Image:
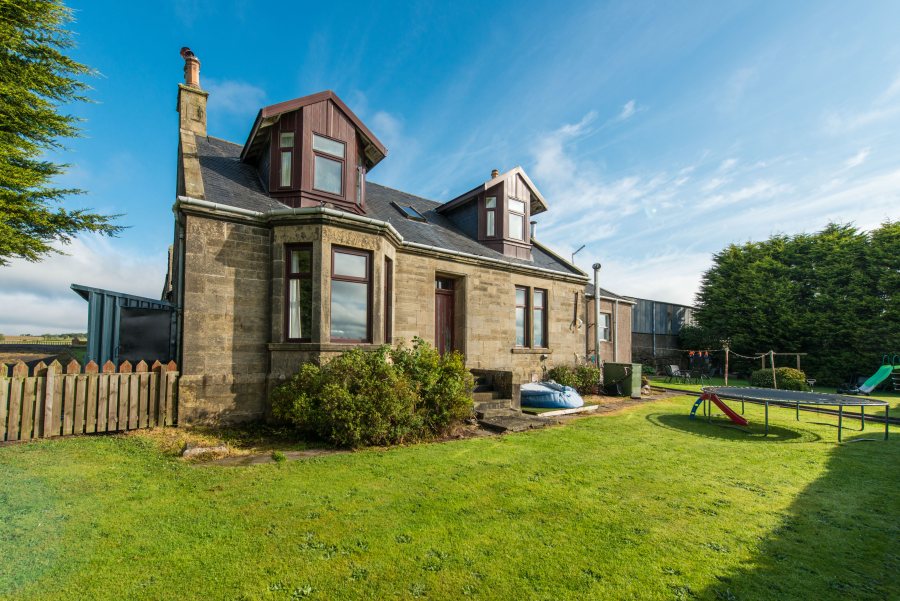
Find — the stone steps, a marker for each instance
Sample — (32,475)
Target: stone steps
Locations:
(485,396)
(514,421)
(492,406)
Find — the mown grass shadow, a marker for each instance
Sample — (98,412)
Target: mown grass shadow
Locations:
(837,540)
(723,429)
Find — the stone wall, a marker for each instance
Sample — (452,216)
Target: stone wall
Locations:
(485,314)
(234,346)
(226,321)
(622,324)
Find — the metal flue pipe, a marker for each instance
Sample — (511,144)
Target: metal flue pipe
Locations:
(597,314)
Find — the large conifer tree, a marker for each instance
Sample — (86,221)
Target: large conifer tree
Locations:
(36,79)
(834,294)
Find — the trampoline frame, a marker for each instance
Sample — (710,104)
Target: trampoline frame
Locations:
(766,396)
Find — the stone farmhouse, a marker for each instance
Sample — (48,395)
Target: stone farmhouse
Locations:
(284,252)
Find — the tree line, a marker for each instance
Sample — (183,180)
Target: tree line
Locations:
(834,294)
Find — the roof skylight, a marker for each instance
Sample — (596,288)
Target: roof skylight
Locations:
(409,212)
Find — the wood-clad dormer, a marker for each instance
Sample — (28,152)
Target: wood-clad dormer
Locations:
(313,151)
(497,212)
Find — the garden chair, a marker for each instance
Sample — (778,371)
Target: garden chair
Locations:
(673,372)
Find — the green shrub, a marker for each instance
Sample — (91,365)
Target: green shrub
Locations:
(442,383)
(588,378)
(648,370)
(562,374)
(787,378)
(377,398)
(585,378)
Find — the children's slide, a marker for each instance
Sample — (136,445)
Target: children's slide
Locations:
(728,411)
(883,373)
(731,414)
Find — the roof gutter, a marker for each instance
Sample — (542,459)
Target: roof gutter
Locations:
(308,211)
(217,208)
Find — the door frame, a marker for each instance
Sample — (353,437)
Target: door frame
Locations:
(449,296)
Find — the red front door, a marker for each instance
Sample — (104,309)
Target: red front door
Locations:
(443,315)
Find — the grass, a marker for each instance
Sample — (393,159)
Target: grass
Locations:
(642,504)
(891,397)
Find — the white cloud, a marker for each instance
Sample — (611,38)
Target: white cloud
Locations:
(881,108)
(388,128)
(757,191)
(714,183)
(728,164)
(233,97)
(672,275)
(36,298)
(627,111)
(655,232)
(858,159)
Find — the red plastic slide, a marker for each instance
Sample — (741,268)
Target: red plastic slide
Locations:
(731,414)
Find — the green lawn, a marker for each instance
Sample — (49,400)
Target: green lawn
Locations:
(643,504)
(891,397)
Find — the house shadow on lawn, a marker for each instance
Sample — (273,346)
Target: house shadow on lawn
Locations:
(837,540)
(722,429)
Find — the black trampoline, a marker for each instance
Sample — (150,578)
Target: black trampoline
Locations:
(796,399)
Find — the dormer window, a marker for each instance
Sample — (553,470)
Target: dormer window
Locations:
(516,219)
(286,145)
(328,165)
(490,205)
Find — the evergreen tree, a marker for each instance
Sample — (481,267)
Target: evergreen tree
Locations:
(36,78)
(833,295)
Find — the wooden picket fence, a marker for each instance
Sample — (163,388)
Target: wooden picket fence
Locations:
(56,402)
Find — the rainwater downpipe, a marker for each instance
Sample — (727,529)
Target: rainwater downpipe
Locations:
(597,314)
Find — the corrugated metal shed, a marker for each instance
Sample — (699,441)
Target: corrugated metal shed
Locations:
(147,325)
(655,317)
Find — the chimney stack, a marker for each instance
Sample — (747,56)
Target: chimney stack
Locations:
(191,98)
(191,68)
(495,173)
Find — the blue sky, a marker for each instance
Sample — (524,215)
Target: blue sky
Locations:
(658,132)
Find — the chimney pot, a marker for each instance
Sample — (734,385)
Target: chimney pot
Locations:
(533,228)
(495,173)
(191,68)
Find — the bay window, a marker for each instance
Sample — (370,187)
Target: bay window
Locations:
(350,295)
(298,302)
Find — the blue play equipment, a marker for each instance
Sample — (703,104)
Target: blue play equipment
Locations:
(550,395)
(696,406)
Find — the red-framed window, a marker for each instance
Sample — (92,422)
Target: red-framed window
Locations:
(532,317)
(298,306)
(329,157)
(351,295)
(522,318)
(539,318)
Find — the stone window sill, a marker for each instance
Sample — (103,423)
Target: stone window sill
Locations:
(531,351)
(321,346)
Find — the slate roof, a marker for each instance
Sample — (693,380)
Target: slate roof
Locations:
(589,292)
(229,182)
